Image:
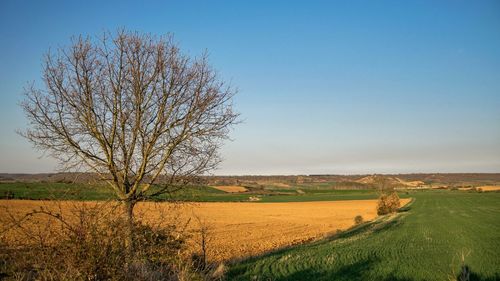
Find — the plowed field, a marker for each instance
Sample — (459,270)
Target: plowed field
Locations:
(238,230)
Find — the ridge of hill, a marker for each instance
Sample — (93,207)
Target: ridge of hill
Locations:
(285,181)
(389,180)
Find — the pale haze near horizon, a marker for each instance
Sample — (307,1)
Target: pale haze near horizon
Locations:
(325,88)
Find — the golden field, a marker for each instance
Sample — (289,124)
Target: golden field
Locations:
(489,187)
(234,230)
(231,188)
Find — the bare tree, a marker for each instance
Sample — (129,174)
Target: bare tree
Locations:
(133,109)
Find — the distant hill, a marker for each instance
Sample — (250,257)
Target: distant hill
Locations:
(50,177)
(389,180)
(408,180)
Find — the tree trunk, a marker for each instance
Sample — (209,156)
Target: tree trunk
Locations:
(129,216)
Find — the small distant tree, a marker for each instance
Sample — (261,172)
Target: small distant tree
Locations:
(358,219)
(134,110)
(388,203)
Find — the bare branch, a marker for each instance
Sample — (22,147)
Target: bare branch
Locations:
(132,108)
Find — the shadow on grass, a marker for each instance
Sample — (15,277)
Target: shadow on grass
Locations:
(359,270)
(466,274)
(406,207)
(380,224)
(356,271)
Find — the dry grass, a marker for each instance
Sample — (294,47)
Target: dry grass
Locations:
(87,241)
(237,230)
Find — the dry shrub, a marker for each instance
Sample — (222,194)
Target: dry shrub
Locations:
(465,271)
(358,219)
(89,244)
(209,270)
(388,203)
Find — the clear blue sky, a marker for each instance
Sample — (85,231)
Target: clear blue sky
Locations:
(325,87)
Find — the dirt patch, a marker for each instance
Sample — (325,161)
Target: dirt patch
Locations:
(238,230)
(231,188)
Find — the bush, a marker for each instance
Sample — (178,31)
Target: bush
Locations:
(388,203)
(358,219)
(91,246)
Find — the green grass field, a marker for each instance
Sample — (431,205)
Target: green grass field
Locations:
(51,191)
(65,191)
(423,243)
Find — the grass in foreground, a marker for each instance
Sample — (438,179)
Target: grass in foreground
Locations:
(423,243)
